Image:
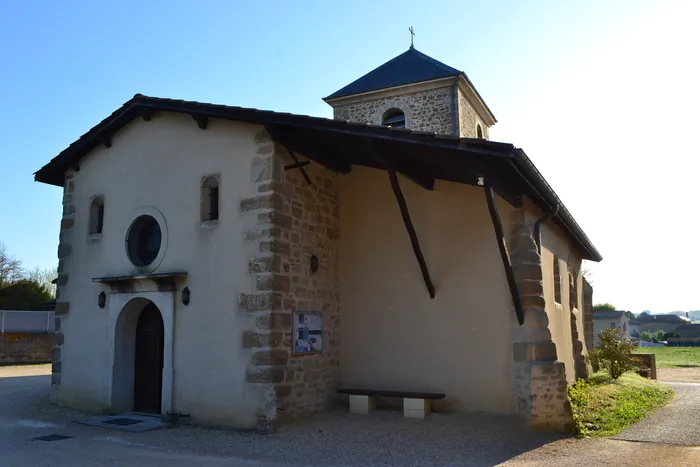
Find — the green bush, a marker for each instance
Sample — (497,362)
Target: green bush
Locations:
(658,336)
(645,336)
(602,406)
(615,352)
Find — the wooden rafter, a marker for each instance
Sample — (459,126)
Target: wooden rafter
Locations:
(403,207)
(507,265)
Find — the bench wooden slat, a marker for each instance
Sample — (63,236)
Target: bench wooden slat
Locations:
(386,393)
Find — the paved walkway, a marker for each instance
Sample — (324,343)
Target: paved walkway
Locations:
(335,439)
(677,423)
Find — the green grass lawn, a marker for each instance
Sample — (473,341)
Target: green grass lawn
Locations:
(603,407)
(673,357)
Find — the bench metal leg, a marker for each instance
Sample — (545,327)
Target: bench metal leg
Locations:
(415,408)
(362,404)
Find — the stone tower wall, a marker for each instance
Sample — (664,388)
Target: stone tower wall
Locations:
(427,110)
(469,119)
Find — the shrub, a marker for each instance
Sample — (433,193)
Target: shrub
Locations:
(658,336)
(645,336)
(615,352)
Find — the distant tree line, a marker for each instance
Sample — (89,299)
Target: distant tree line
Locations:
(22,289)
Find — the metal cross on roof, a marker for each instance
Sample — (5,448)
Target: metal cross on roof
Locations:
(412,34)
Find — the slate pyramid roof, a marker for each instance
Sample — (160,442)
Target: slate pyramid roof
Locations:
(411,66)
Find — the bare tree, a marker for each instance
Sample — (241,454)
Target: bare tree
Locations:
(587,273)
(10,267)
(44,277)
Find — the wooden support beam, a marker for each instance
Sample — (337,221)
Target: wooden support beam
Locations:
(411,231)
(418,175)
(107,142)
(500,237)
(422,177)
(314,148)
(299,165)
(202,122)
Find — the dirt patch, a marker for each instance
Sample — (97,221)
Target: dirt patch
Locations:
(25,370)
(678,375)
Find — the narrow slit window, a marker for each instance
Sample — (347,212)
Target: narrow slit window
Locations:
(97,215)
(479,132)
(210,199)
(214,203)
(557,281)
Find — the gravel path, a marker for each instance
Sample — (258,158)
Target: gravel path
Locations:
(679,375)
(383,438)
(677,423)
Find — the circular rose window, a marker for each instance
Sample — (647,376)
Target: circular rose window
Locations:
(143,240)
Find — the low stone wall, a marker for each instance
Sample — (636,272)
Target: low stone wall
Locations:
(648,361)
(25,347)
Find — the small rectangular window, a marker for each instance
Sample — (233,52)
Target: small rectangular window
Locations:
(100,217)
(97,215)
(209,202)
(214,203)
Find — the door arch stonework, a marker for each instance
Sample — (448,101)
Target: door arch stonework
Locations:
(125,309)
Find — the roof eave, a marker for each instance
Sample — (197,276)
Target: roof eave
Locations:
(551,200)
(486,113)
(334,100)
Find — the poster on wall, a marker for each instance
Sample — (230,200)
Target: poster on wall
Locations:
(308,327)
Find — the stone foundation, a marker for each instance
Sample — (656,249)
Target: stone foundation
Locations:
(295,220)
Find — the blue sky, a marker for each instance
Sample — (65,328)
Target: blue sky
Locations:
(593,91)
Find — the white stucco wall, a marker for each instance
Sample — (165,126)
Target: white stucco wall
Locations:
(160,164)
(394,335)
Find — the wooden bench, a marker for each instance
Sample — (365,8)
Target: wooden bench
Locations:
(415,404)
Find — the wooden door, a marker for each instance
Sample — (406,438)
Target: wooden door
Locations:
(148,365)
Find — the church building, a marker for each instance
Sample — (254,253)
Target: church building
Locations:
(241,266)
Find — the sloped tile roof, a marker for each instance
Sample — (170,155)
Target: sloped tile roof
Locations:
(411,66)
(452,158)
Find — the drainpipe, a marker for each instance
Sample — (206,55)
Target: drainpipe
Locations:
(537,231)
(455,108)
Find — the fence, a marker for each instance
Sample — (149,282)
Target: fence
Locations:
(26,321)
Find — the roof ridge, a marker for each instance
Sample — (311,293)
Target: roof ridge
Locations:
(435,61)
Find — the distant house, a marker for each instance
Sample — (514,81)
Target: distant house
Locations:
(666,323)
(610,319)
(634,327)
(689,330)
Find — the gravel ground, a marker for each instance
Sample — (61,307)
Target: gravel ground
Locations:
(679,375)
(384,438)
(677,423)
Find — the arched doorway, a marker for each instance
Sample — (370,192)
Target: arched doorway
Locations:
(148,360)
(141,351)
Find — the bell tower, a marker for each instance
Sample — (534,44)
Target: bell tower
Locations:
(417,92)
